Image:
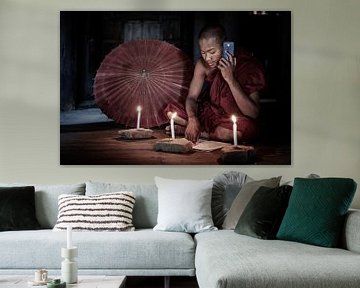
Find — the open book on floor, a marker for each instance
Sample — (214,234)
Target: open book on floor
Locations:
(205,145)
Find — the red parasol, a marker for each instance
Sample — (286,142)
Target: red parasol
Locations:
(149,73)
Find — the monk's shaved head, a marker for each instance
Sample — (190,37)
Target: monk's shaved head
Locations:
(213,31)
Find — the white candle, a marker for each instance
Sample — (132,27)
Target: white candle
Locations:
(138,109)
(233,118)
(69,237)
(172,125)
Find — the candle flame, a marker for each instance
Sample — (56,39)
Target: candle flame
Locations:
(233,118)
(173,115)
(138,109)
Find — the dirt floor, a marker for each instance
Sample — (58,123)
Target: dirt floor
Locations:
(100,144)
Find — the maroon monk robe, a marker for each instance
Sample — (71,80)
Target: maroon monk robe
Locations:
(216,104)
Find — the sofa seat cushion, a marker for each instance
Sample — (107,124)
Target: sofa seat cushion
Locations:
(136,250)
(226,259)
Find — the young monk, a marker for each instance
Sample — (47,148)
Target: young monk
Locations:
(219,89)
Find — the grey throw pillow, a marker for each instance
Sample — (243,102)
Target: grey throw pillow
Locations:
(242,199)
(226,187)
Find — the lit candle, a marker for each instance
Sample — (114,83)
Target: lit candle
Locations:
(69,239)
(172,125)
(138,109)
(233,118)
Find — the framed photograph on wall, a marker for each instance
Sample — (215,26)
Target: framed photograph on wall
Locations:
(175,87)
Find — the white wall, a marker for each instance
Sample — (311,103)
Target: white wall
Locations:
(325,81)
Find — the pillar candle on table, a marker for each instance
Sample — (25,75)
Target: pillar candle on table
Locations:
(69,237)
(233,118)
(138,109)
(172,125)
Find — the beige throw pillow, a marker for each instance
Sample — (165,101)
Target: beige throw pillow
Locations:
(243,198)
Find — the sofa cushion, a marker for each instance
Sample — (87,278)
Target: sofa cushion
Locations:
(46,200)
(17,208)
(105,212)
(243,198)
(263,214)
(317,209)
(184,205)
(141,250)
(225,259)
(350,239)
(146,205)
(226,187)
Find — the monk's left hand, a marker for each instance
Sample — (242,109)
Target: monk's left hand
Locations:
(227,67)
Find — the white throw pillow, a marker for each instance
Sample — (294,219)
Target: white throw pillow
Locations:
(105,212)
(184,205)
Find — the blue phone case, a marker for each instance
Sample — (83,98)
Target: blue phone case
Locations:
(228,46)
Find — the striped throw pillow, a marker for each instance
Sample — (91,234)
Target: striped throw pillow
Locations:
(105,212)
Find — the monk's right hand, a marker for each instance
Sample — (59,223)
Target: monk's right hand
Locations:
(192,132)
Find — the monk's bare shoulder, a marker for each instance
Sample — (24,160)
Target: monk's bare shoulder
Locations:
(200,69)
(197,80)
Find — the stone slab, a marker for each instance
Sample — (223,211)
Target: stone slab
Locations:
(240,154)
(178,145)
(133,134)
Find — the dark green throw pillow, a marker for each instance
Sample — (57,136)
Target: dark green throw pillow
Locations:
(264,213)
(316,211)
(17,208)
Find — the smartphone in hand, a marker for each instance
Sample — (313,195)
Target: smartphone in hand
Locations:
(229,47)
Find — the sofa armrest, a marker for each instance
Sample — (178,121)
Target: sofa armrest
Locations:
(351,232)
